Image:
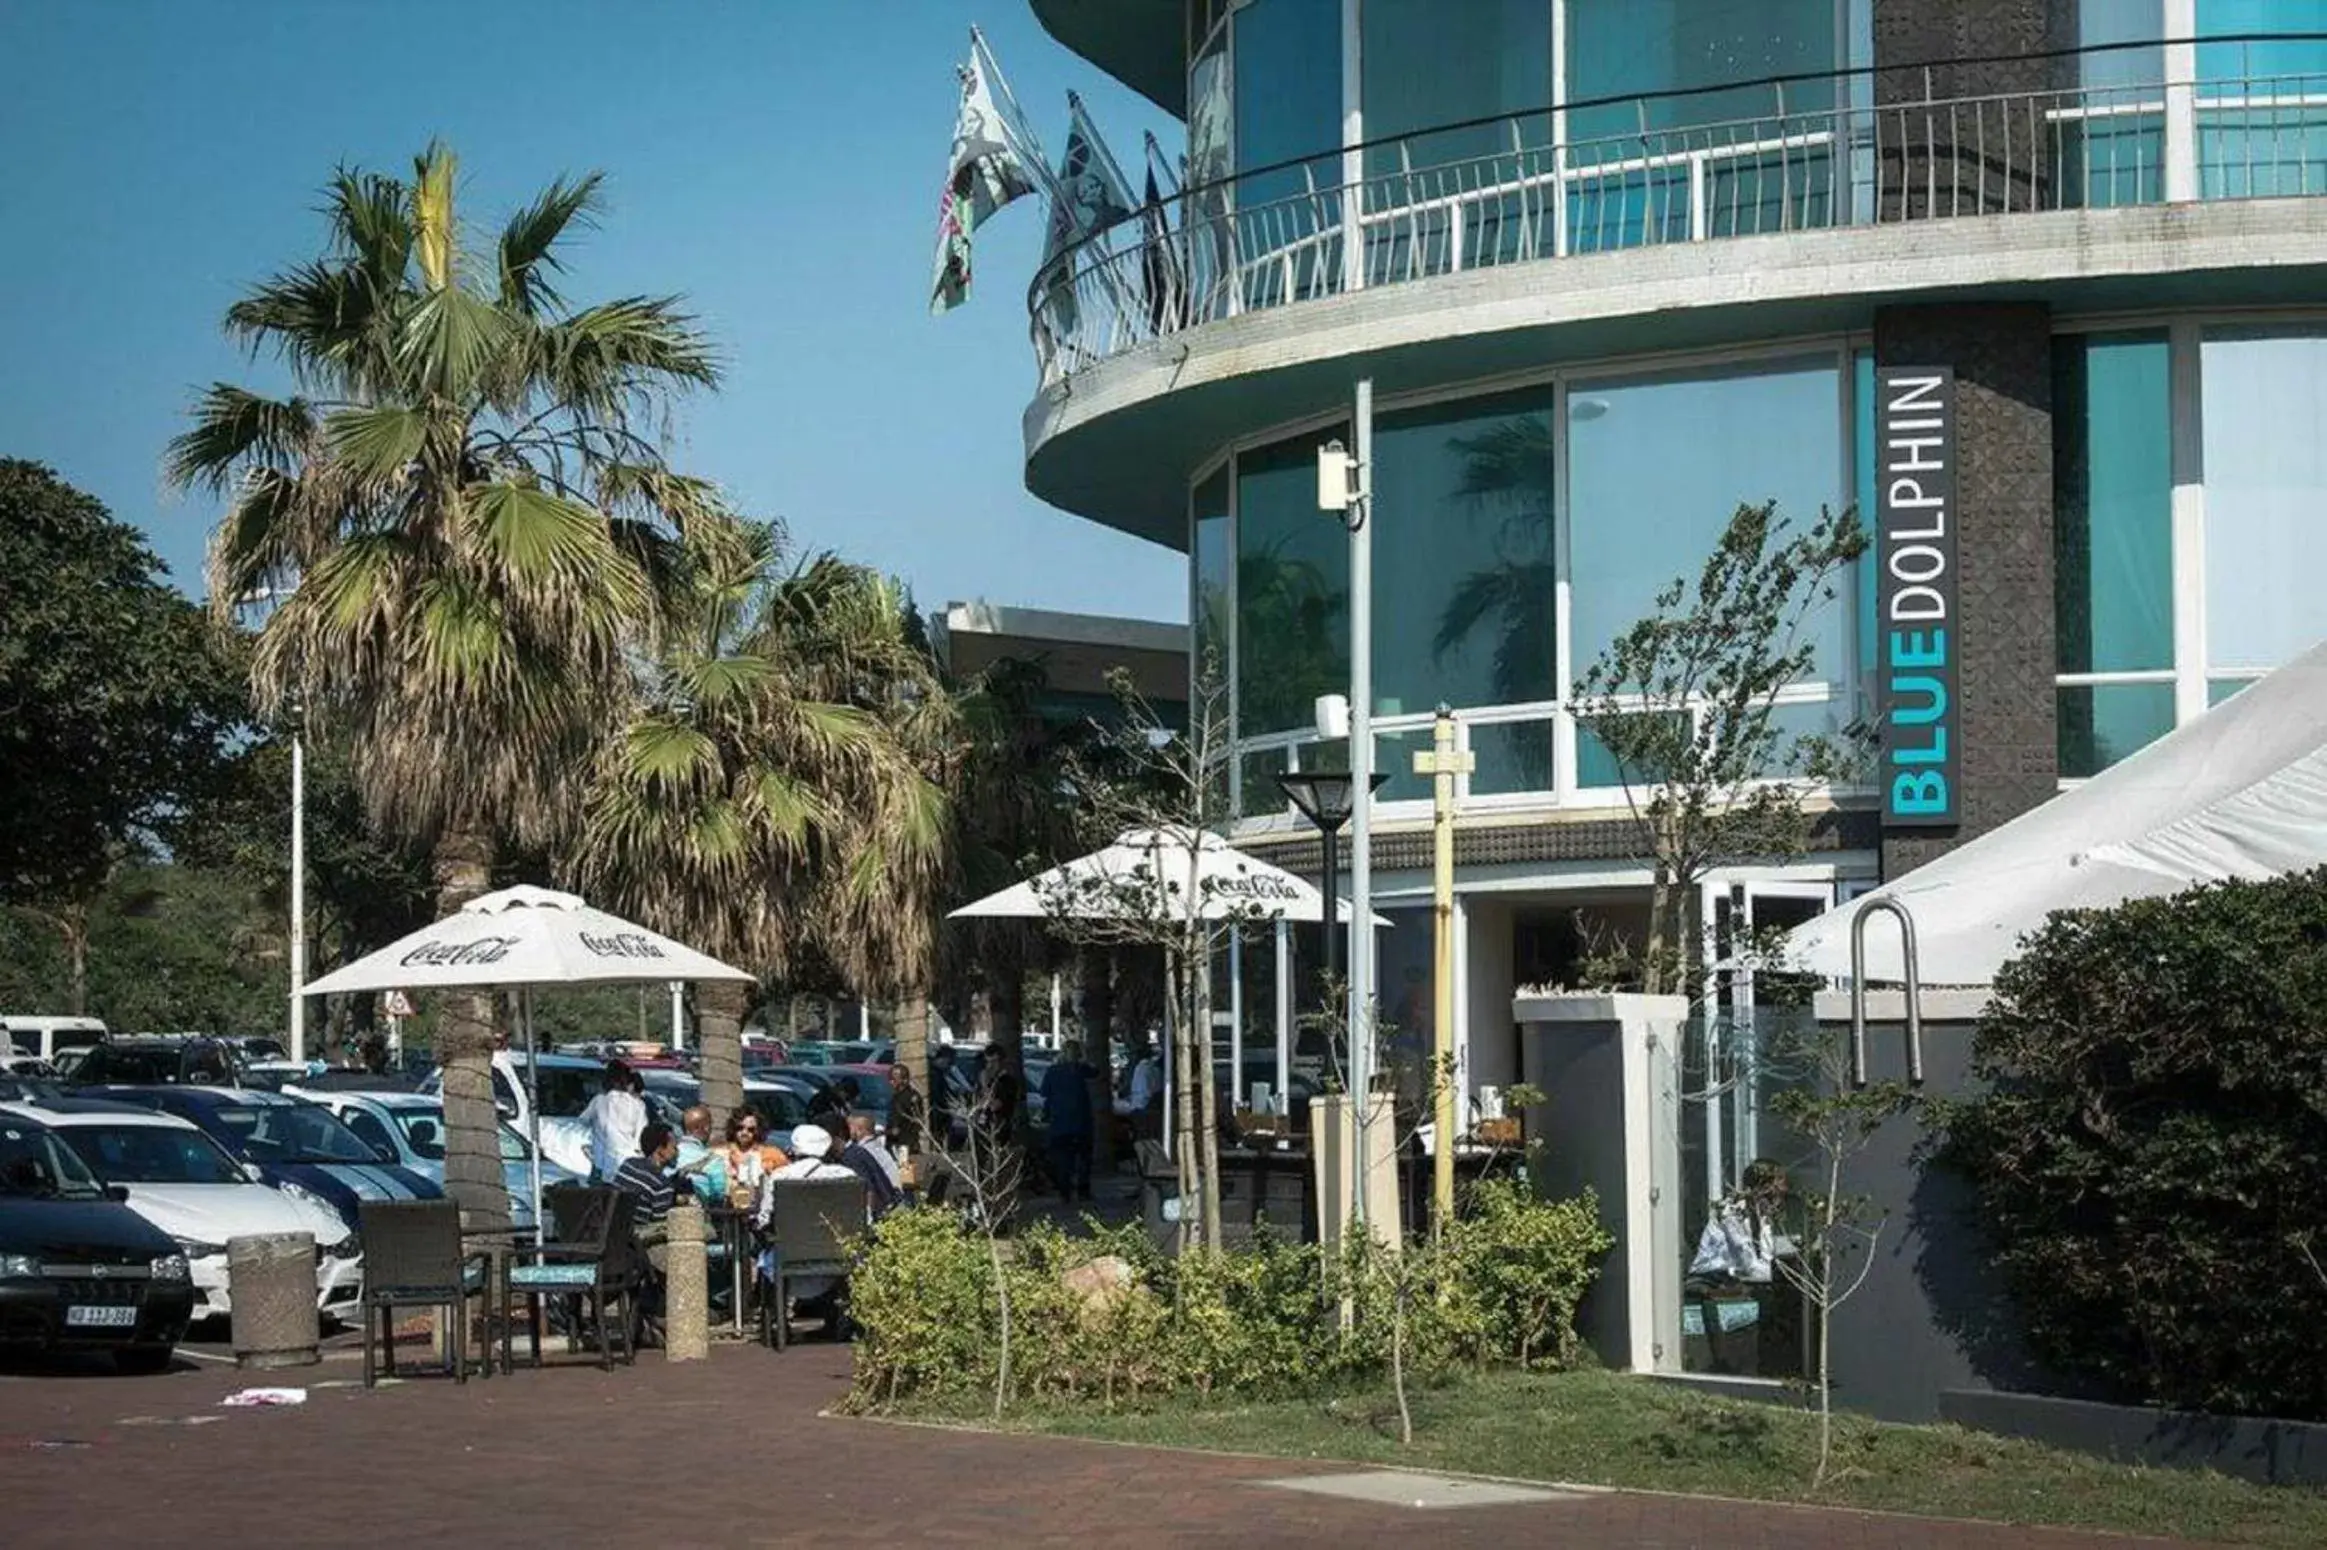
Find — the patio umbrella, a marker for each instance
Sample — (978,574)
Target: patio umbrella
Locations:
(517,939)
(1153,873)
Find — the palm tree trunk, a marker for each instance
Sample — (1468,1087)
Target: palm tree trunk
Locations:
(722,1004)
(465,1040)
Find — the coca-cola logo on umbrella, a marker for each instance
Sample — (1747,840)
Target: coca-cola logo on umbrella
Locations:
(460,955)
(622,944)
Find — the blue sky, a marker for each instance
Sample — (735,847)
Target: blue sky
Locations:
(777,161)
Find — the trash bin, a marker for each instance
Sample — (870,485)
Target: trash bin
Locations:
(270,1279)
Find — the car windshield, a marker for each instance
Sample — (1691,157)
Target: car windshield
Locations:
(423,1131)
(33,1164)
(513,1147)
(294,1132)
(264,1049)
(153,1154)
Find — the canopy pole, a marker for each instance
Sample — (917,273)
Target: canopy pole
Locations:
(532,1106)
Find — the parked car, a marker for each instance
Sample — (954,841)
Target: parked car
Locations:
(160,1060)
(567,1084)
(185,1184)
(80,1269)
(781,1098)
(49,1037)
(411,1125)
(29,1068)
(298,1147)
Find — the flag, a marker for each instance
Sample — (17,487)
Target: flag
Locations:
(1088,195)
(1159,265)
(994,162)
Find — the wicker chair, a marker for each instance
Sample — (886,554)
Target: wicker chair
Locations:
(592,1261)
(413,1259)
(808,1234)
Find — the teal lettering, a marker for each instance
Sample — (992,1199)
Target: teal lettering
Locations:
(1918,648)
(1934,753)
(1919,793)
(1934,703)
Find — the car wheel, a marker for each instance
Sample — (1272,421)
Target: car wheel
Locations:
(143,1361)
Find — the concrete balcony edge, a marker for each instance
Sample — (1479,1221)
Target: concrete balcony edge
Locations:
(1115,442)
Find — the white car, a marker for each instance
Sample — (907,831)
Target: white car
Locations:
(410,1127)
(184,1183)
(567,1083)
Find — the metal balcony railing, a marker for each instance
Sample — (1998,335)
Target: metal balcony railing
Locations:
(1828,154)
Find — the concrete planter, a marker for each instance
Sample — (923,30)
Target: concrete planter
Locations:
(2255,1448)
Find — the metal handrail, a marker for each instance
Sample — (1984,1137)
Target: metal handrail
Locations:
(1210,253)
(1913,987)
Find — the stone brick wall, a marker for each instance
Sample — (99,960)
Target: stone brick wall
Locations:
(1987,152)
(2002,355)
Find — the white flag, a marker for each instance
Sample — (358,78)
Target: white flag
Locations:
(994,161)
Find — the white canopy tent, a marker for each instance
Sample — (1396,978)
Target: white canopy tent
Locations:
(2241,792)
(1153,873)
(518,939)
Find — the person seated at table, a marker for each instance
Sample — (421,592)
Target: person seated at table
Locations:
(700,1164)
(811,1159)
(865,1157)
(646,1177)
(750,1158)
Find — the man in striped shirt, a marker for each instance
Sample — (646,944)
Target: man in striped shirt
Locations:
(648,1177)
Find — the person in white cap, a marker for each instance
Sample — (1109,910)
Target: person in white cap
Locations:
(811,1149)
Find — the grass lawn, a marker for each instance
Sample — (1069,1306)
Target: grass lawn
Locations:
(1609,1429)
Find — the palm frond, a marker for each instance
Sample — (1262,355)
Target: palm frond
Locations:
(233,428)
(528,248)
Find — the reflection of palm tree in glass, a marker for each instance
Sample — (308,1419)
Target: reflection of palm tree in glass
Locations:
(1508,468)
(1293,634)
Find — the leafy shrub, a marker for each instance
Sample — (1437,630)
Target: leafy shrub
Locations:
(1274,1319)
(2149,1162)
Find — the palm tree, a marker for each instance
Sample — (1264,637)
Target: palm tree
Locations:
(775,795)
(464,522)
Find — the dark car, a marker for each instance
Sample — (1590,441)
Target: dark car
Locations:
(78,1269)
(300,1148)
(158,1062)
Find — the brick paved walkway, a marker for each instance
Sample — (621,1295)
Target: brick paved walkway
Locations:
(578,1457)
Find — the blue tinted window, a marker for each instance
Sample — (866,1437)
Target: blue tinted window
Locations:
(1658,467)
(2112,503)
(2266,496)
(1292,589)
(1428,63)
(1288,95)
(1655,50)
(1463,554)
(1211,562)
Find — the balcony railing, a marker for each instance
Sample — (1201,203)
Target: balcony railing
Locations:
(1826,156)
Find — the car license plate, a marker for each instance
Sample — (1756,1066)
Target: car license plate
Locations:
(101,1318)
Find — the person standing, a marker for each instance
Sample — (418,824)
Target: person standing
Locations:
(908,1111)
(616,1118)
(1066,1102)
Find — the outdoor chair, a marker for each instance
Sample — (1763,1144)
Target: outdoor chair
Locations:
(413,1259)
(809,1231)
(592,1262)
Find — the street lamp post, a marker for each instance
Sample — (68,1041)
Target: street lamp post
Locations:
(1325,798)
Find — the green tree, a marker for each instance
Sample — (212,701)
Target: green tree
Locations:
(775,796)
(465,519)
(1685,701)
(114,705)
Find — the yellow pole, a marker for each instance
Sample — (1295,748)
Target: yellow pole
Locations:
(1442,764)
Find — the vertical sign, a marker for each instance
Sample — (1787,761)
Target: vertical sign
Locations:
(1914,542)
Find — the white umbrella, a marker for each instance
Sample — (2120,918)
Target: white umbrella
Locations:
(1152,874)
(517,939)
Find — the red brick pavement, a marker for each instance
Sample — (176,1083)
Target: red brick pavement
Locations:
(577,1457)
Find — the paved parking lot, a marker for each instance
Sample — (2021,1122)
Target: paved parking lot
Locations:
(730,1451)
